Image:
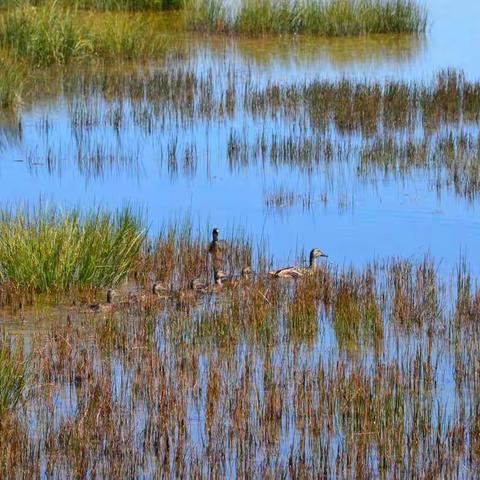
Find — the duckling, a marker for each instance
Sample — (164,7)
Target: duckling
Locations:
(160,289)
(247,272)
(105,307)
(198,285)
(230,280)
(296,272)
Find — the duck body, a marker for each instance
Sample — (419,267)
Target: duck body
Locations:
(296,272)
(287,272)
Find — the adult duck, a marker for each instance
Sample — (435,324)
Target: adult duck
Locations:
(296,272)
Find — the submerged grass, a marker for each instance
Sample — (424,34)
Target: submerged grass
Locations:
(318,17)
(47,251)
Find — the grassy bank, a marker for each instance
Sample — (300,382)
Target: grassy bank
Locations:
(318,17)
(47,251)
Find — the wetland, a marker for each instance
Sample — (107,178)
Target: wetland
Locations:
(129,130)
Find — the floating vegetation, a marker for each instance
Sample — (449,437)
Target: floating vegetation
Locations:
(328,18)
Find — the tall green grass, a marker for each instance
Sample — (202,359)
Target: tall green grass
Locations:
(12,79)
(55,35)
(47,251)
(126,5)
(13,378)
(319,17)
(48,35)
(103,5)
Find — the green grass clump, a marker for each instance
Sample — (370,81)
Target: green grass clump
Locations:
(126,37)
(45,36)
(46,251)
(56,35)
(318,17)
(128,5)
(12,78)
(13,377)
(103,5)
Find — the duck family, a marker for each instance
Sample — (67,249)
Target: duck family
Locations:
(217,250)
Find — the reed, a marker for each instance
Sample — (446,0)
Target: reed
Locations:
(267,370)
(327,18)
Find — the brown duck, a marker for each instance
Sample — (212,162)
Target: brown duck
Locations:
(296,272)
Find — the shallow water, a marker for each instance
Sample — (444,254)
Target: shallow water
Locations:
(354,222)
(355,219)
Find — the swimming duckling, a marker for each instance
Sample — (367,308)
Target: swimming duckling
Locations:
(295,272)
(105,307)
(198,285)
(247,272)
(231,280)
(159,289)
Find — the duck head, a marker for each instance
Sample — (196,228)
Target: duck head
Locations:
(314,254)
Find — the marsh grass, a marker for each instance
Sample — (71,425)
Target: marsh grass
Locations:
(56,35)
(46,35)
(13,380)
(180,392)
(327,18)
(12,81)
(126,5)
(103,5)
(49,251)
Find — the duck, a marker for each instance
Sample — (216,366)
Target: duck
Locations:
(296,272)
(217,249)
(105,307)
